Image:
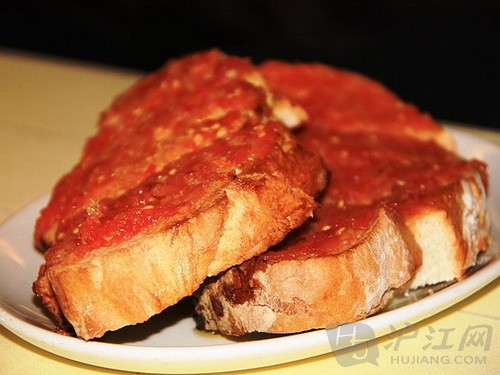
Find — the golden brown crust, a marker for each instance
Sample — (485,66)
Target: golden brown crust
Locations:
(443,235)
(128,283)
(98,282)
(302,294)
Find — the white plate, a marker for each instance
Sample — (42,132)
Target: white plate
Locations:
(169,343)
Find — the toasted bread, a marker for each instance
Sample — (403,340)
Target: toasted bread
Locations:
(323,281)
(128,247)
(348,104)
(136,255)
(439,197)
(182,107)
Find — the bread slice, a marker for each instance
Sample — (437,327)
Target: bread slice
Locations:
(138,254)
(366,117)
(339,275)
(439,204)
(184,106)
(439,197)
(192,170)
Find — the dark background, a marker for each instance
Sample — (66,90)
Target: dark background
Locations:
(442,56)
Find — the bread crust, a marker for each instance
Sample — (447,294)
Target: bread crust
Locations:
(430,240)
(304,293)
(126,283)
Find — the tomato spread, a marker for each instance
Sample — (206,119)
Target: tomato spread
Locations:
(183,107)
(186,187)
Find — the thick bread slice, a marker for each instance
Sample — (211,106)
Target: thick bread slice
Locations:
(347,104)
(448,225)
(296,289)
(274,293)
(136,255)
(184,106)
(441,197)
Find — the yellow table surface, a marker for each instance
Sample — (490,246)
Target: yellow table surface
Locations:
(47,109)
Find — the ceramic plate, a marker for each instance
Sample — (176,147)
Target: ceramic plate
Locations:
(169,342)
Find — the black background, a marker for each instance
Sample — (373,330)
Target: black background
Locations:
(443,56)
